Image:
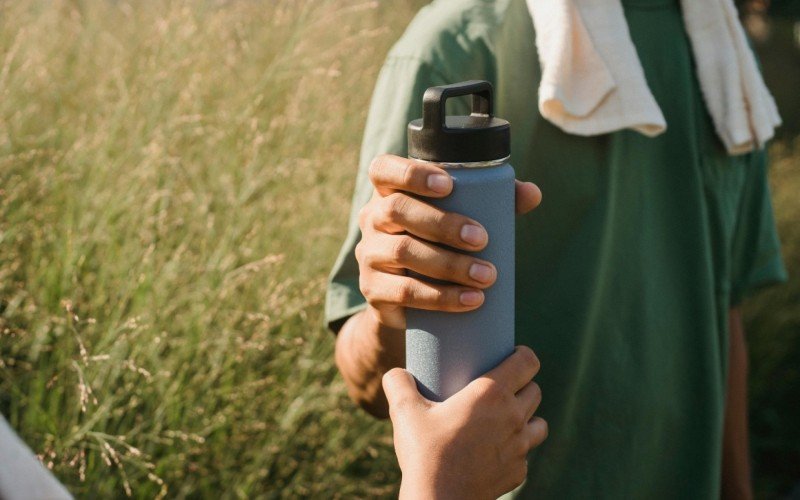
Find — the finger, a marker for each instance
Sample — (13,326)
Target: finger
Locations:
(401,390)
(536,432)
(392,290)
(399,212)
(389,173)
(516,370)
(393,253)
(528,197)
(529,398)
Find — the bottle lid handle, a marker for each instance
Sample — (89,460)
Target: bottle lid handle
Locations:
(434,99)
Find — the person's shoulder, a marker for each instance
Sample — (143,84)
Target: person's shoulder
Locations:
(451,31)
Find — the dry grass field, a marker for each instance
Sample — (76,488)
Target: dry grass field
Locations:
(174,185)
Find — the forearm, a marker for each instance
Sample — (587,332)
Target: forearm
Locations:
(365,350)
(736,482)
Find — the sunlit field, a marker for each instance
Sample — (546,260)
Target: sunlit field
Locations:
(175,180)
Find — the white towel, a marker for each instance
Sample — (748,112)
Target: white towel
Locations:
(593,82)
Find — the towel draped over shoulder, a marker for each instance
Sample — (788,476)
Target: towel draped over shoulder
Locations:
(593,82)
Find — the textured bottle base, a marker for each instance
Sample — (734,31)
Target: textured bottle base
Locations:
(446,351)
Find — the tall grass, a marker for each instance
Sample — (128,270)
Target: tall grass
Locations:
(773,330)
(175,177)
(174,183)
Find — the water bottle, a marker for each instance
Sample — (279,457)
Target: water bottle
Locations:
(445,351)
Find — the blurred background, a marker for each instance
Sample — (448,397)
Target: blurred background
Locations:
(175,179)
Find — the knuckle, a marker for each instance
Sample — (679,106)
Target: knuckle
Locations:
(439,297)
(404,294)
(436,298)
(365,255)
(517,421)
(520,419)
(364,214)
(375,167)
(365,287)
(451,227)
(506,397)
(412,171)
(359,252)
(454,265)
(488,389)
(395,206)
(399,249)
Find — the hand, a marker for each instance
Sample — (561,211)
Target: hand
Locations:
(474,444)
(400,232)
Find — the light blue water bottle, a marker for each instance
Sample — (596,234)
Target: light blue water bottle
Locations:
(446,351)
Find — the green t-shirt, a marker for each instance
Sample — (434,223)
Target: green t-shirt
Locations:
(625,273)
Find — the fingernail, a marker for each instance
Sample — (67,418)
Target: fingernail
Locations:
(439,183)
(471,298)
(474,235)
(481,272)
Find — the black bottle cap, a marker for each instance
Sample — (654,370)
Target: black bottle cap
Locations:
(459,139)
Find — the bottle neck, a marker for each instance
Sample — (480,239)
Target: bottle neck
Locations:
(472,164)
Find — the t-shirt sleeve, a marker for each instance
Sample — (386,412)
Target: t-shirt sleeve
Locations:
(757,258)
(396,100)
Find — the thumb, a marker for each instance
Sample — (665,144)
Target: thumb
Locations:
(401,390)
(528,197)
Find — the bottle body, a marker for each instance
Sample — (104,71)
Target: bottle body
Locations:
(445,351)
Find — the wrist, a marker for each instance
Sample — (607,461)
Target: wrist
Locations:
(415,488)
(431,479)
